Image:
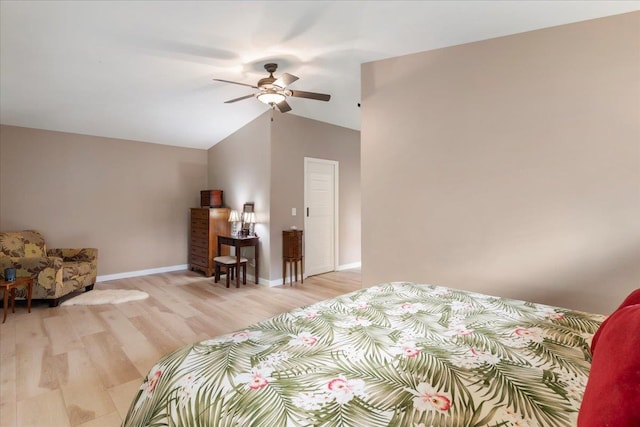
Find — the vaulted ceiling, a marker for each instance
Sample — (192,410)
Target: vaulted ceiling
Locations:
(143,70)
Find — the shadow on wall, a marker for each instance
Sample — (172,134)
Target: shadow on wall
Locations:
(592,283)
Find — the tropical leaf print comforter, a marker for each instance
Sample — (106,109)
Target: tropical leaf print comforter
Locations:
(397,354)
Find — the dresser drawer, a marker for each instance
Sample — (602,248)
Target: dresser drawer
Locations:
(199,251)
(200,242)
(200,223)
(202,261)
(200,214)
(199,233)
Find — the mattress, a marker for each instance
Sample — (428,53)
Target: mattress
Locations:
(396,354)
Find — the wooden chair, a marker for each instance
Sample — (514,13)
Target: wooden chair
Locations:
(229,264)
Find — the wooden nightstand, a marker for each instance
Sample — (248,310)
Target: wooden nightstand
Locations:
(10,292)
(292,251)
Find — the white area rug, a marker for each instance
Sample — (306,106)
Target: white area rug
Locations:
(106,296)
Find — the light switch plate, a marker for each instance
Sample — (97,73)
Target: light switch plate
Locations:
(293,211)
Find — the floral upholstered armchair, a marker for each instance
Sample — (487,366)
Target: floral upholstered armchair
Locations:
(55,272)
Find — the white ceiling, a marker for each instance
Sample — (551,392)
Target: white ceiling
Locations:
(142,70)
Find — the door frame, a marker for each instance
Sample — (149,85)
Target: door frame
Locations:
(336,193)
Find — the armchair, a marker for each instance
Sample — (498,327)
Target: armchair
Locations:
(55,272)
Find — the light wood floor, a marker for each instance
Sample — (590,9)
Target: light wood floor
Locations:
(82,365)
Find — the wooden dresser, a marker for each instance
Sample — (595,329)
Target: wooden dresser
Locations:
(292,252)
(206,225)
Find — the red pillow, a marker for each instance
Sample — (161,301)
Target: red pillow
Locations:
(632,299)
(612,395)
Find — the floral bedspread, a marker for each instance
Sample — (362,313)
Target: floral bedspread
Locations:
(398,354)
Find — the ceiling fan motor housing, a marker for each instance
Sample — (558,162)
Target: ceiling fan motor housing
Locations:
(267,82)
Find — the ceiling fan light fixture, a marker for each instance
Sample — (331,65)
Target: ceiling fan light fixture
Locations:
(271,97)
(274,91)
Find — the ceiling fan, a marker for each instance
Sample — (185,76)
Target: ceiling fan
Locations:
(273,91)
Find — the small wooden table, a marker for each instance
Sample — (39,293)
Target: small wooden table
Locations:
(10,291)
(241,242)
(292,252)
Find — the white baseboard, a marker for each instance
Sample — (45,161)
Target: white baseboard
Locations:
(349,266)
(125,275)
(273,283)
(250,278)
(278,282)
(128,274)
(263,281)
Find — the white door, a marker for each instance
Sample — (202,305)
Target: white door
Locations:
(321,218)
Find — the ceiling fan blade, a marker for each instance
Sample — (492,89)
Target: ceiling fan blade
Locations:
(239,99)
(310,95)
(285,80)
(236,83)
(283,106)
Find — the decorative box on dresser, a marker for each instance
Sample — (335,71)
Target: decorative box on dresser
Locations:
(292,252)
(206,225)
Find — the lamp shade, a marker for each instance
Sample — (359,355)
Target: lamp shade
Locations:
(250,218)
(234,216)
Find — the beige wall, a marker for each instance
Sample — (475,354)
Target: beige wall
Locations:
(129,199)
(293,139)
(239,165)
(509,166)
(264,162)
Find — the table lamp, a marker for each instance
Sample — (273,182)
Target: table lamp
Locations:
(250,218)
(234,219)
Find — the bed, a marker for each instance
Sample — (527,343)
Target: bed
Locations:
(399,354)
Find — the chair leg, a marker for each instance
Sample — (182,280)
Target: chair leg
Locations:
(228,274)
(217,274)
(244,273)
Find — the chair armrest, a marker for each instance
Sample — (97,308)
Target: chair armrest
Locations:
(75,254)
(47,271)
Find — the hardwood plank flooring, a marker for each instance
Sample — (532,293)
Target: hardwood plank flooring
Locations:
(82,365)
